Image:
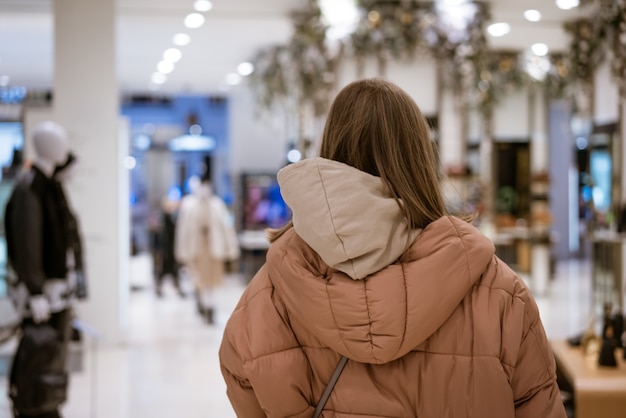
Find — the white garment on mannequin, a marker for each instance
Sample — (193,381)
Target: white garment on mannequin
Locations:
(40,308)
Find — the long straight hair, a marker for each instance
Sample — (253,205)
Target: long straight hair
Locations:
(376,127)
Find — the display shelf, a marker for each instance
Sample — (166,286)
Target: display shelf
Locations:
(598,391)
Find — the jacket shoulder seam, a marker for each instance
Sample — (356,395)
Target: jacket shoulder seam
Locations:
(508,292)
(458,234)
(260,356)
(251,297)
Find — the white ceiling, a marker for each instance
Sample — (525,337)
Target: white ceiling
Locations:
(234,30)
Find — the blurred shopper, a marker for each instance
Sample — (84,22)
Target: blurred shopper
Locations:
(167,264)
(205,240)
(372,268)
(44,250)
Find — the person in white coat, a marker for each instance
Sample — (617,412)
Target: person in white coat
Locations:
(205,239)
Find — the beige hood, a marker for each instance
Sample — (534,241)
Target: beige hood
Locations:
(346,215)
(344,223)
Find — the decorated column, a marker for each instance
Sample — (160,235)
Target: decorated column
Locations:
(540,217)
(86,104)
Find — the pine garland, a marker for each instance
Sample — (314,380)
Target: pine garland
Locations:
(303,71)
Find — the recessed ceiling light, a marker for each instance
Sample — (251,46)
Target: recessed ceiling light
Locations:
(233,79)
(567,4)
(202,5)
(498,29)
(195,129)
(130,162)
(158,78)
(181,39)
(293,156)
(540,49)
(194,20)
(172,55)
(245,68)
(532,15)
(165,67)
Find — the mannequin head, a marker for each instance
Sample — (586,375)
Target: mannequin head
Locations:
(51,145)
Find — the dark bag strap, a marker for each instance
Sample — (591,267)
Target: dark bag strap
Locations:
(330,386)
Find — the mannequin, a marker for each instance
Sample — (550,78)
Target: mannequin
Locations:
(45,252)
(205,239)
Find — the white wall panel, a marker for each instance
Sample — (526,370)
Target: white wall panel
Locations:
(511,116)
(605,96)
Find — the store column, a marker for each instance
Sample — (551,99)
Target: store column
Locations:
(452,138)
(86,103)
(540,217)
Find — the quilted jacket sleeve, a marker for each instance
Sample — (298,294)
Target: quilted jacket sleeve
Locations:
(534,380)
(238,388)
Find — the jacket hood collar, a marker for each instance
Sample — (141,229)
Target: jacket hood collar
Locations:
(391,312)
(346,215)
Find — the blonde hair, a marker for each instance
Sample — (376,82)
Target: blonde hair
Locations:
(376,127)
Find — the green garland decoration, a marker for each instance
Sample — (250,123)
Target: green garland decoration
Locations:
(557,78)
(614,16)
(462,60)
(302,70)
(586,51)
(313,68)
(497,73)
(269,79)
(388,29)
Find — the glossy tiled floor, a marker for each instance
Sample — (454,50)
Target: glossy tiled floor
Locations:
(169,367)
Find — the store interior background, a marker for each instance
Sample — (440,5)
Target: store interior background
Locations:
(550,165)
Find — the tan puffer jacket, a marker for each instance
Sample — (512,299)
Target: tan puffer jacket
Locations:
(446,330)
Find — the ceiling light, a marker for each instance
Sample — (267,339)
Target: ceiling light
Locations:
(172,55)
(181,39)
(141,142)
(4,80)
(158,78)
(130,162)
(498,29)
(567,4)
(537,67)
(293,156)
(532,15)
(341,16)
(202,5)
(540,49)
(194,20)
(192,143)
(245,68)
(195,129)
(454,2)
(165,67)
(454,17)
(233,79)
